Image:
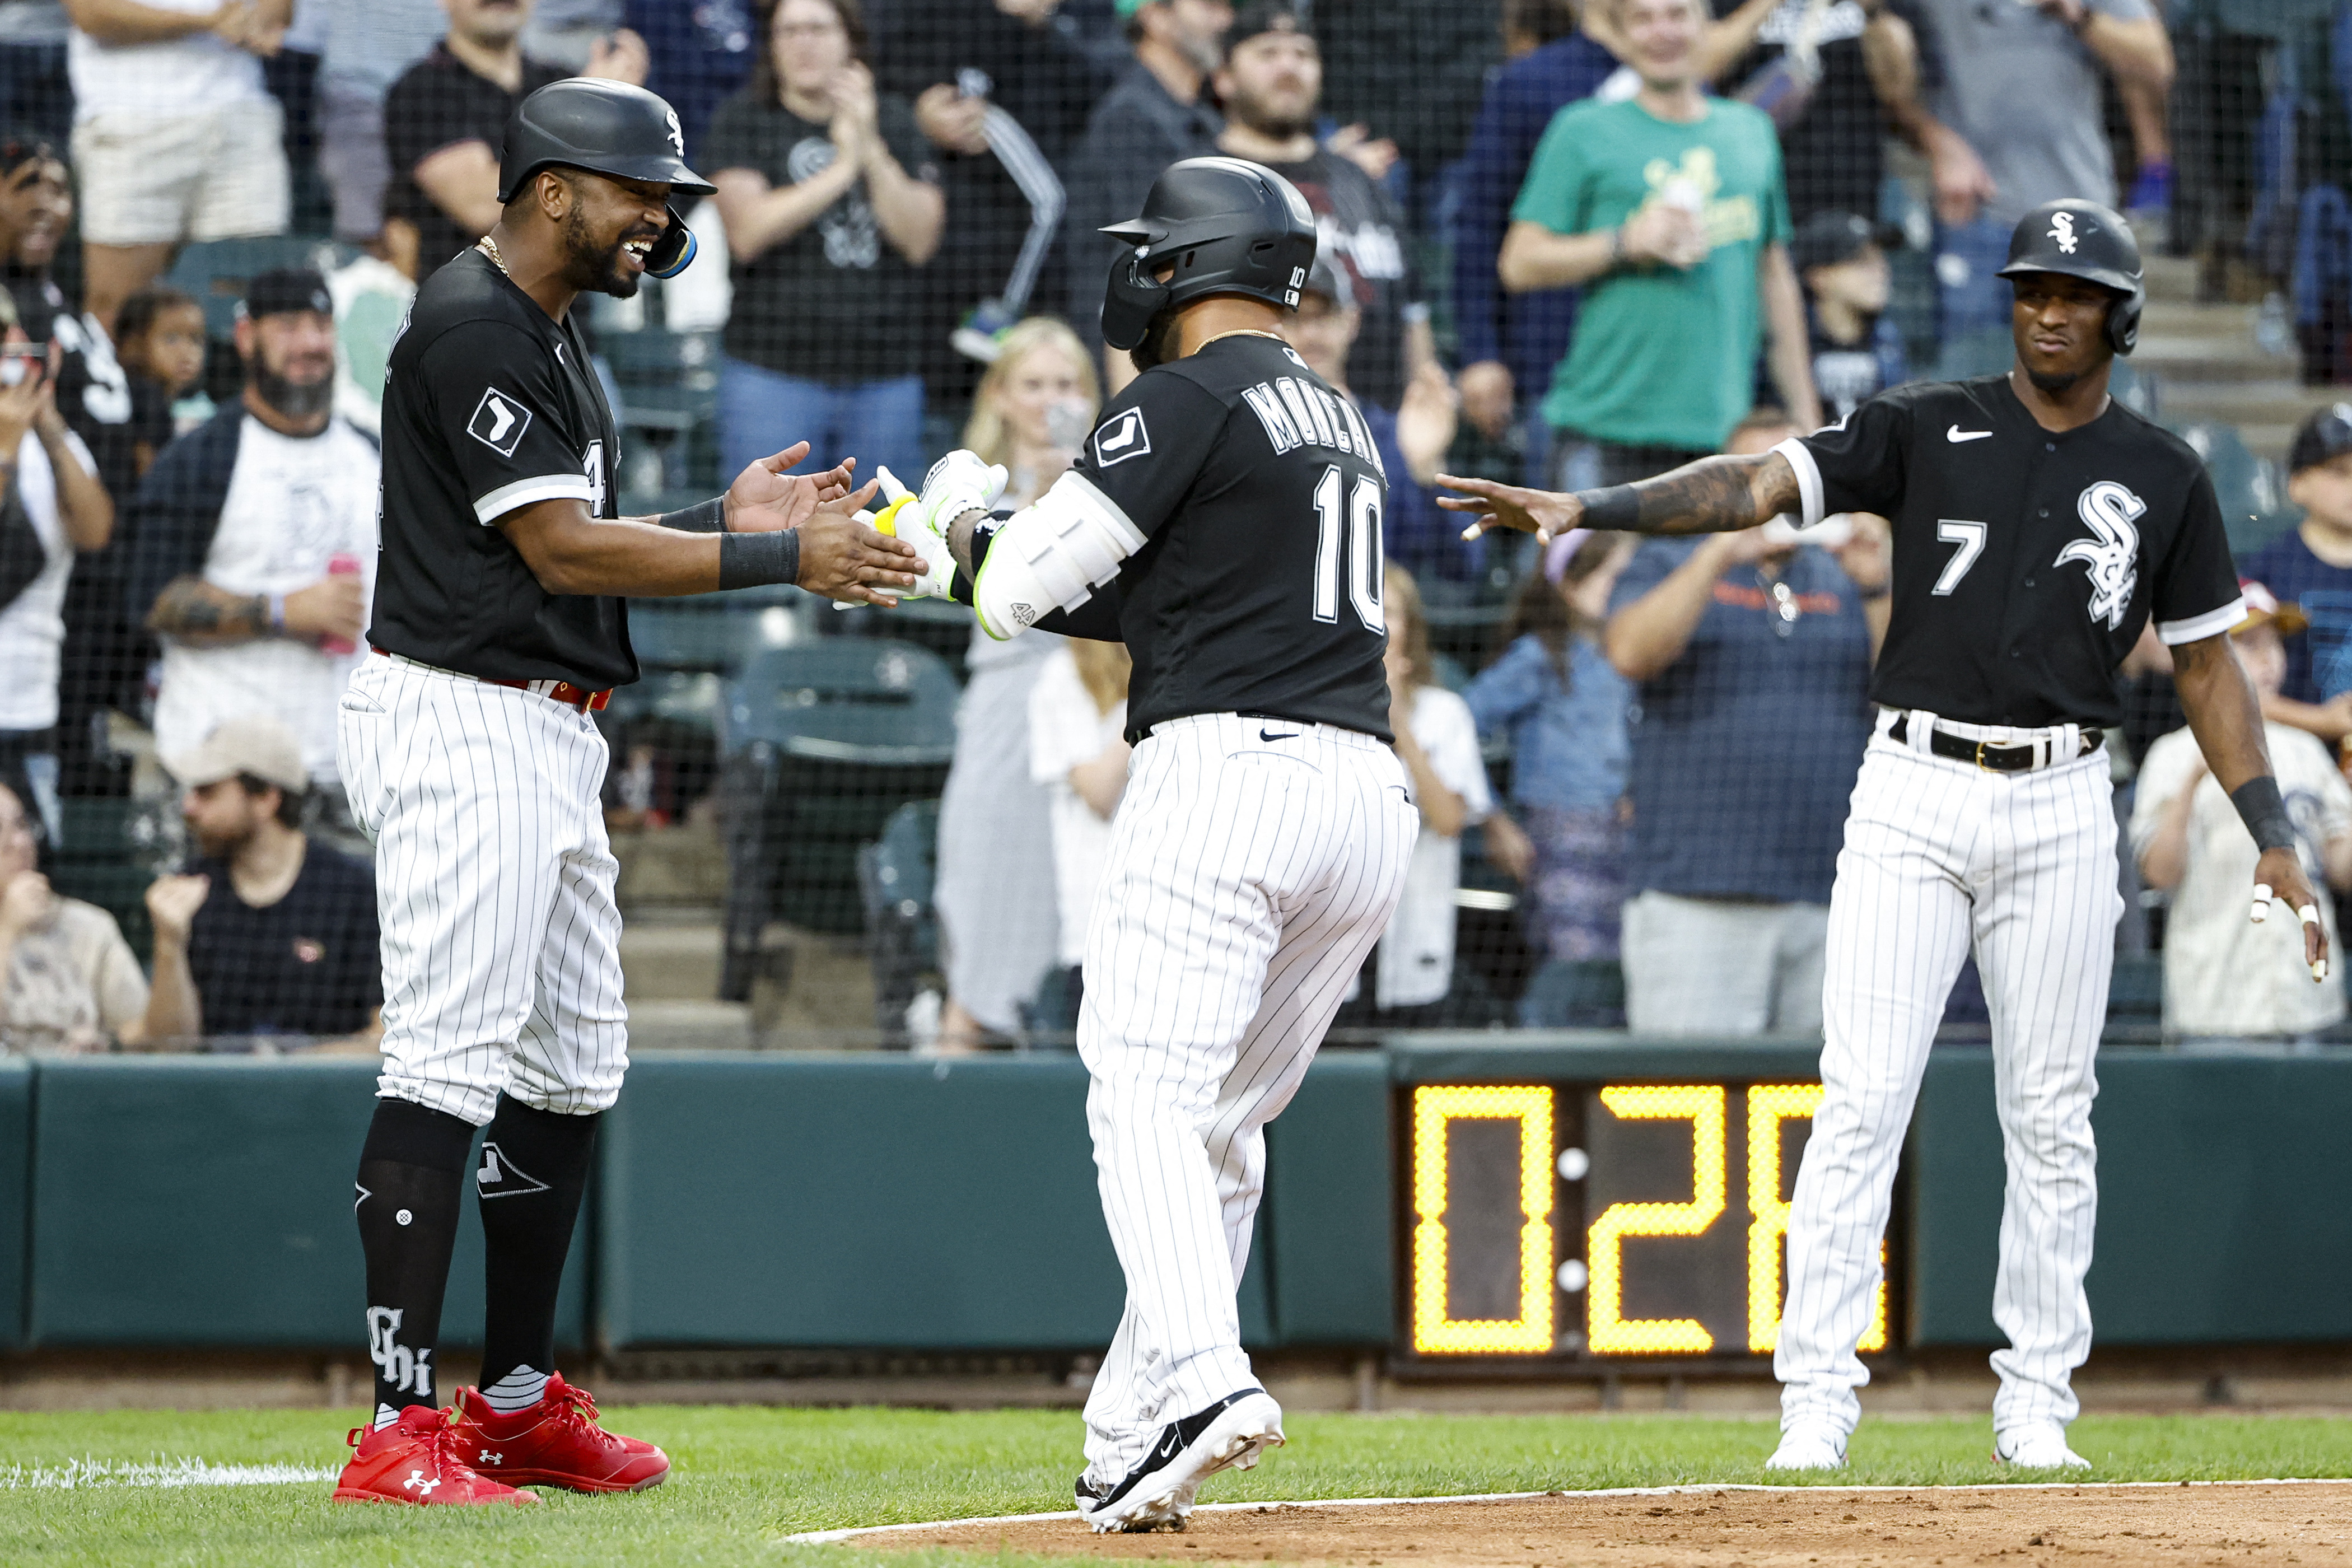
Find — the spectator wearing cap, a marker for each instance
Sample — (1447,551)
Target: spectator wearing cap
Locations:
(1270,83)
(252,542)
(2223,976)
(51,507)
(2315,556)
(1411,441)
(1552,694)
(1855,351)
(67,980)
(268,932)
(1668,209)
(1753,655)
(175,136)
(1156,114)
(446,125)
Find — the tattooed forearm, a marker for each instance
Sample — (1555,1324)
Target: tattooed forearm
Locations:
(193,608)
(1717,495)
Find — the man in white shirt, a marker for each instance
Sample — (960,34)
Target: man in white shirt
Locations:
(175,137)
(252,542)
(2223,976)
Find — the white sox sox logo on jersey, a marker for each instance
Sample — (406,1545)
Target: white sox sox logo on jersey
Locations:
(499,422)
(2113,558)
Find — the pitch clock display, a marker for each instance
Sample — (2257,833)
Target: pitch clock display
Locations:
(1603,1221)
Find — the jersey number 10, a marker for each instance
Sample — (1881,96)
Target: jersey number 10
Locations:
(1358,535)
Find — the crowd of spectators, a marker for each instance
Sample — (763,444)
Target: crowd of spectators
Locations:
(1578,240)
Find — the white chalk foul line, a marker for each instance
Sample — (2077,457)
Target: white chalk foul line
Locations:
(75,1474)
(829,1537)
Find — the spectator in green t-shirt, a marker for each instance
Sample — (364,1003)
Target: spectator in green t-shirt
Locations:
(1669,208)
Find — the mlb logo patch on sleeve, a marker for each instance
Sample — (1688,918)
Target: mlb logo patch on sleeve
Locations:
(499,422)
(1124,437)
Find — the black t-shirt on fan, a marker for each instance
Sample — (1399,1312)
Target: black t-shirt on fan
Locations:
(1260,496)
(2026,561)
(488,405)
(304,965)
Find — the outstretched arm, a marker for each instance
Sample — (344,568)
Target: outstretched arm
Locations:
(1714,495)
(2228,723)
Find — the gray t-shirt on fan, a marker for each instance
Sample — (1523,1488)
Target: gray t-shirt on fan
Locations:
(2024,92)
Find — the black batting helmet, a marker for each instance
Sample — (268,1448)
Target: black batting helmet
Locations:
(1229,225)
(2083,239)
(605,128)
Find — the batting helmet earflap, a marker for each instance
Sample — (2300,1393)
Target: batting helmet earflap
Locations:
(605,128)
(2083,239)
(1228,226)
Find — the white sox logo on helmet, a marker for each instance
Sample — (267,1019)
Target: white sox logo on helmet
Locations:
(677,133)
(2062,229)
(2113,558)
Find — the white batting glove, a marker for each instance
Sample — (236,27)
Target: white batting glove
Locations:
(958,483)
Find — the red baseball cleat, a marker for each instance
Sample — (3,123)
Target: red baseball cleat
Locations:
(556,1443)
(416,1459)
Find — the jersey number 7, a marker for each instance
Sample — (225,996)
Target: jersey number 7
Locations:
(1358,531)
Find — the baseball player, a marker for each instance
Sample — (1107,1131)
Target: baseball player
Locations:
(471,761)
(1223,520)
(2038,526)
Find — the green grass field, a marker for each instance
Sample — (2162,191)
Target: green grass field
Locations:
(745,1478)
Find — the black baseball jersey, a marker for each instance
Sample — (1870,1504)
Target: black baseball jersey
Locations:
(488,405)
(2026,560)
(1259,495)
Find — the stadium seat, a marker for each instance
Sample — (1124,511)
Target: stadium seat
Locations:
(819,742)
(215,272)
(107,853)
(902,928)
(2252,509)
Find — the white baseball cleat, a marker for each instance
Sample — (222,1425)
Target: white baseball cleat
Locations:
(2040,1446)
(1158,1492)
(1808,1446)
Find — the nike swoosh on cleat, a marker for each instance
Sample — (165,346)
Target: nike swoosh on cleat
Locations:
(1955,435)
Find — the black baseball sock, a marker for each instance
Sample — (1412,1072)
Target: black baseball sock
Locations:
(410,1172)
(534,1168)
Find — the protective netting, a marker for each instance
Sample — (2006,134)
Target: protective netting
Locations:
(845,828)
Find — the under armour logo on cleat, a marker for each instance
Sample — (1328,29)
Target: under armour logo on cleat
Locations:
(417,1481)
(489,1459)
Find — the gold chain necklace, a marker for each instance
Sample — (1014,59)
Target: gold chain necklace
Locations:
(489,247)
(1244,332)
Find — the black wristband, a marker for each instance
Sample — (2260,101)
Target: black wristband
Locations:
(1616,508)
(753,560)
(706,516)
(2264,813)
(982,535)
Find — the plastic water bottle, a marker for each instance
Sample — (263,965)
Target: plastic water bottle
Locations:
(342,564)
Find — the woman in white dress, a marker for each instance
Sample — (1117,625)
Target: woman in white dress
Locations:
(994,883)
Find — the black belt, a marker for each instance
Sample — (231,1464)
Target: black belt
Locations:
(1984,753)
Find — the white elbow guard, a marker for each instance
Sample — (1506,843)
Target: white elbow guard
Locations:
(1052,556)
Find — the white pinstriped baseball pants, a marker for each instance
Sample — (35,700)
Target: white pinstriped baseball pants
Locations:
(1246,882)
(494,891)
(1939,853)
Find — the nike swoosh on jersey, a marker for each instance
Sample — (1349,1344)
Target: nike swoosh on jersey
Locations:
(1955,435)
(1287,735)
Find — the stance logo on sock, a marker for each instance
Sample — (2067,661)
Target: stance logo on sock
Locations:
(407,1371)
(499,1178)
(363,1195)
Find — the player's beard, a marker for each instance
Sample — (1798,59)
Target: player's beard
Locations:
(1159,344)
(2052,383)
(591,269)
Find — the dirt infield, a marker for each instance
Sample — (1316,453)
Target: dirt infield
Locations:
(2000,1527)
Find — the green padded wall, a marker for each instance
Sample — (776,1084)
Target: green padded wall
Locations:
(2221,1212)
(207,1201)
(16,1193)
(860,1201)
(1326,1229)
